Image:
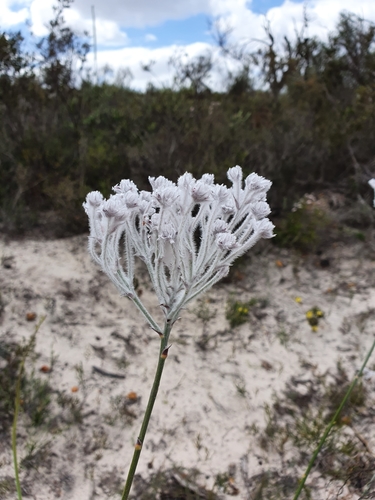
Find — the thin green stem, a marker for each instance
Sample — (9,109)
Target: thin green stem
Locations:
(30,345)
(332,423)
(163,353)
(14,431)
(137,301)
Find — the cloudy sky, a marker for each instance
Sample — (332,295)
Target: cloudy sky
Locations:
(132,33)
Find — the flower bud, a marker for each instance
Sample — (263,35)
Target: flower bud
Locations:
(94,198)
(124,186)
(226,241)
(234,174)
(260,209)
(220,226)
(201,192)
(265,228)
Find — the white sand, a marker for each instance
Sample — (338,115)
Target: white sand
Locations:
(209,400)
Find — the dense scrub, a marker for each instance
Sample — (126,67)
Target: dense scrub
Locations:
(311,129)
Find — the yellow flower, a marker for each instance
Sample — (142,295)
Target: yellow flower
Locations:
(314,328)
(245,310)
(309,314)
(240,309)
(319,313)
(298,300)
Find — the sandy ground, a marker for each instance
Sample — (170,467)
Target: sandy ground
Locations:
(217,380)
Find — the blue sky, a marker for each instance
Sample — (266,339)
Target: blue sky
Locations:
(132,32)
(189,30)
(181,32)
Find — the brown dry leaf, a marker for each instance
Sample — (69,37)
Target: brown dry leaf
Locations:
(345,420)
(74,388)
(30,316)
(45,369)
(266,365)
(279,263)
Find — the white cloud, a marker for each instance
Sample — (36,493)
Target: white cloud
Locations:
(161,72)
(108,32)
(247,27)
(286,18)
(132,58)
(113,15)
(9,17)
(142,13)
(41,12)
(150,37)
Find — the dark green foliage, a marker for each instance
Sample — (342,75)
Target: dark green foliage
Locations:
(176,484)
(300,417)
(237,312)
(62,135)
(35,392)
(10,356)
(303,228)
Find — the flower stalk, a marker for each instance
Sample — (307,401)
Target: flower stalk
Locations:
(187,234)
(163,353)
(332,423)
(17,404)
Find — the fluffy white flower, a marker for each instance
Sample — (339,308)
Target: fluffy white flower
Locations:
(220,226)
(201,192)
(114,207)
(234,174)
(94,199)
(124,186)
(161,229)
(260,209)
(226,241)
(166,196)
(132,199)
(168,232)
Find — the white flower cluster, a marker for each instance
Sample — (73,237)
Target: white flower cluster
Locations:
(188,234)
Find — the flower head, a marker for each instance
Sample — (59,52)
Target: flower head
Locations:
(187,234)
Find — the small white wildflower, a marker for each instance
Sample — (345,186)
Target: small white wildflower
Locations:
(166,196)
(260,209)
(124,186)
(160,182)
(161,229)
(220,226)
(235,174)
(220,193)
(201,192)
(94,199)
(132,199)
(114,207)
(226,241)
(264,228)
(208,179)
(168,232)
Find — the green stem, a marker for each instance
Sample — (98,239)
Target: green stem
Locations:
(163,353)
(14,430)
(332,423)
(137,301)
(30,345)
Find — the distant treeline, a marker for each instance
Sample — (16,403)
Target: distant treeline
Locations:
(62,134)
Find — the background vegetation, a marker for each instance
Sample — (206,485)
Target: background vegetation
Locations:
(310,129)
